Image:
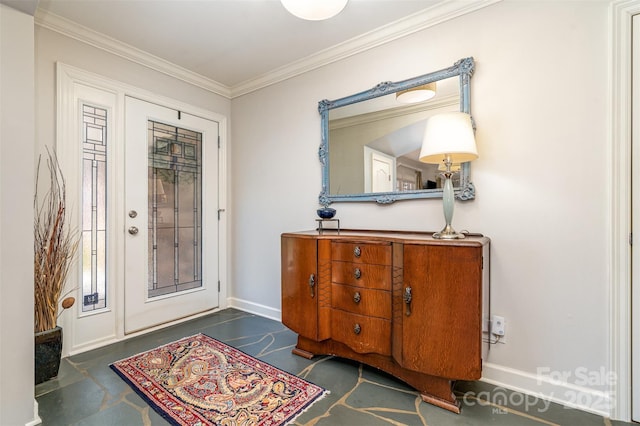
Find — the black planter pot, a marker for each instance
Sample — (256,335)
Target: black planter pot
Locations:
(48,350)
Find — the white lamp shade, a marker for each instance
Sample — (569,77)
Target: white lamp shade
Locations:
(314,10)
(417,94)
(449,134)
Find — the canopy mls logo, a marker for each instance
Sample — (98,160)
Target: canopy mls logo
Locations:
(601,400)
(502,400)
(580,376)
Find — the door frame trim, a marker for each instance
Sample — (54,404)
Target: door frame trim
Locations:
(67,77)
(620,205)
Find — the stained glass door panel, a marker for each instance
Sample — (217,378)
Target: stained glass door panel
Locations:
(175,209)
(94,208)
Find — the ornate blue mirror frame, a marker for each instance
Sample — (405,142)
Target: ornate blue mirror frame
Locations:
(464,191)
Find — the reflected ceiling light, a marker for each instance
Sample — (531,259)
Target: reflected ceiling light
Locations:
(314,10)
(417,94)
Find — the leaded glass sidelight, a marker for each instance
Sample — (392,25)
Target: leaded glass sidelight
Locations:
(175,209)
(94,208)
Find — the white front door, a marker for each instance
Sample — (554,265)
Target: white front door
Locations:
(171,207)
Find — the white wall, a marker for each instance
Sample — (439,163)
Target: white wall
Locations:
(539,97)
(16,230)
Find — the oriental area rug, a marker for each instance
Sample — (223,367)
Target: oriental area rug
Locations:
(201,381)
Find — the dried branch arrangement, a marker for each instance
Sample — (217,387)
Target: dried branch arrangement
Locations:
(55,245)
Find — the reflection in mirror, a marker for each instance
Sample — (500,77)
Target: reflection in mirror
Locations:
(378,151)
(371,140)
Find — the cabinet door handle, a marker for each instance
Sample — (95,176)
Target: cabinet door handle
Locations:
(357,329)
(357,273)
(357,252)
(356,297)
(407,300)
(312,284)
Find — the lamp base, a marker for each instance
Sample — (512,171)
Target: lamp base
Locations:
(448,233)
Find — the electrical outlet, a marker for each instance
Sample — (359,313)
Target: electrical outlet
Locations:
(497,325)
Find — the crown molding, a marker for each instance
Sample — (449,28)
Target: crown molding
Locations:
(439,13)
(86,35)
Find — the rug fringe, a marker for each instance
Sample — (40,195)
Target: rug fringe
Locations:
(325,392)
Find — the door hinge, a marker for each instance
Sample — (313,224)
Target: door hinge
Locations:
(630,238)
(218,286)
(179,115)
(218,141)
(220,211)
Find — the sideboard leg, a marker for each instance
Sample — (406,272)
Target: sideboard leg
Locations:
(302,353)
(452,405)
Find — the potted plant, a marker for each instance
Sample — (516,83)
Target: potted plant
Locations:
(55,246)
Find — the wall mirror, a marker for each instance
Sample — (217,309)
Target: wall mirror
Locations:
(371,140)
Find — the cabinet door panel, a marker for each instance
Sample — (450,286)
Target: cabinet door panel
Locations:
(442,334)
(300,286)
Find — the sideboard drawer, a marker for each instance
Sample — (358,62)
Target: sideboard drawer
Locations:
(362,334)
(379,254)
(361,275)
(362,301)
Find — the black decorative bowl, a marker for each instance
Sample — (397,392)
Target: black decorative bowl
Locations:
(326,213)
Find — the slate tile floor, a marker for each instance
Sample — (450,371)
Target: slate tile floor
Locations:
(87,392)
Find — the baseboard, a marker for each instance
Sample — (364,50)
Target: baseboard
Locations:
(546,387)
(36,417)
(255,308)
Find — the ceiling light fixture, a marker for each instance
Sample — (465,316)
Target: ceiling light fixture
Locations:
(417,94)
(314,10)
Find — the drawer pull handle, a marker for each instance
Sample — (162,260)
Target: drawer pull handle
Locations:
(356,297)
(312,284)
(407,300)
(357,329)
(357,252)
(357,273)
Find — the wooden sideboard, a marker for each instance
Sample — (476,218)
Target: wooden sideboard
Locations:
(403,302)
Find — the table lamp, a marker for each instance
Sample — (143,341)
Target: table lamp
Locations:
(448,139)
